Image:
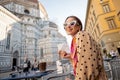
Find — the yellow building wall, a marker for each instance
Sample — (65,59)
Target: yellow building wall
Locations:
(117,5)
(110,37)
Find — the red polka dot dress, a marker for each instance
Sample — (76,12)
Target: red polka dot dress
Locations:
(89,65)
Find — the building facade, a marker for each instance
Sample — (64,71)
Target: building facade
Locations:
(48,44)
(103,23)
(32,29)
(117,5)
(10,38)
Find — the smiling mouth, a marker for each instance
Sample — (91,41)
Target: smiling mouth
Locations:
(70,29)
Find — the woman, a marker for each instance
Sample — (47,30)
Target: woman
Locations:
(26,67)
(85,54)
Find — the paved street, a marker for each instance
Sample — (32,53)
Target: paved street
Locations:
(50,67)
(53,67)
(5,74)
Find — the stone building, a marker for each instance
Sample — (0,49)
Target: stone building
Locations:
(48,44)
(10,38)
(30,32)
(103,23)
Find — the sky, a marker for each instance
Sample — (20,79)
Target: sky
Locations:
(58,10)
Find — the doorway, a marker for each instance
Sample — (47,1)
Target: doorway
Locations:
(118,50)
(15,60)
(14,63)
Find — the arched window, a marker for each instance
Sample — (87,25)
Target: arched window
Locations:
(41,52)
(8,41)
(26,11)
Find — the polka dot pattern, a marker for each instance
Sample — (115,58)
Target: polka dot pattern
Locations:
(90,62)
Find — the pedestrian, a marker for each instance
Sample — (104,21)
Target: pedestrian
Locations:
(29,65)
(26,65)
(85,54)
(113,54)
(35,65)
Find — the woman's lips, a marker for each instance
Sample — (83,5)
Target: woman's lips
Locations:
(69,30)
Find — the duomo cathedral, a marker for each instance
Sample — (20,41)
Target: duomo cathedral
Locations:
(26,32)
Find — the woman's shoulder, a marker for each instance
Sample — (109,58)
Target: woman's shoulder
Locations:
(82,33)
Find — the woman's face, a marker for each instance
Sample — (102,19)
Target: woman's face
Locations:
(71,26)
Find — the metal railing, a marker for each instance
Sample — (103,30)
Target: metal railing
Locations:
(112,68)
(115,68)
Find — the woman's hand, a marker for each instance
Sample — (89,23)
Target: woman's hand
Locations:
(63,54)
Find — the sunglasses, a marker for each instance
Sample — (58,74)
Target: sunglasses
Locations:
(70,24)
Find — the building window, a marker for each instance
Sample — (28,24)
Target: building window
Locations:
(26,11)
(53,35)
(49,32)
(41,53)
(92,21)
(98,29)
(118,15)
(94,15)
(106,8)
(8,41)
(1,47)
(101,1)
(111,23)
(45,36)
(28,19)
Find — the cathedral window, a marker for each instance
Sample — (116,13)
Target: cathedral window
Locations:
(49,32)
(8,41)
(26,11)
(53,35)
(118,15)
(41,52)
(45,36)
(28,19)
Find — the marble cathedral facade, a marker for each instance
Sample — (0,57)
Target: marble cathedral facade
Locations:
(31,35)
